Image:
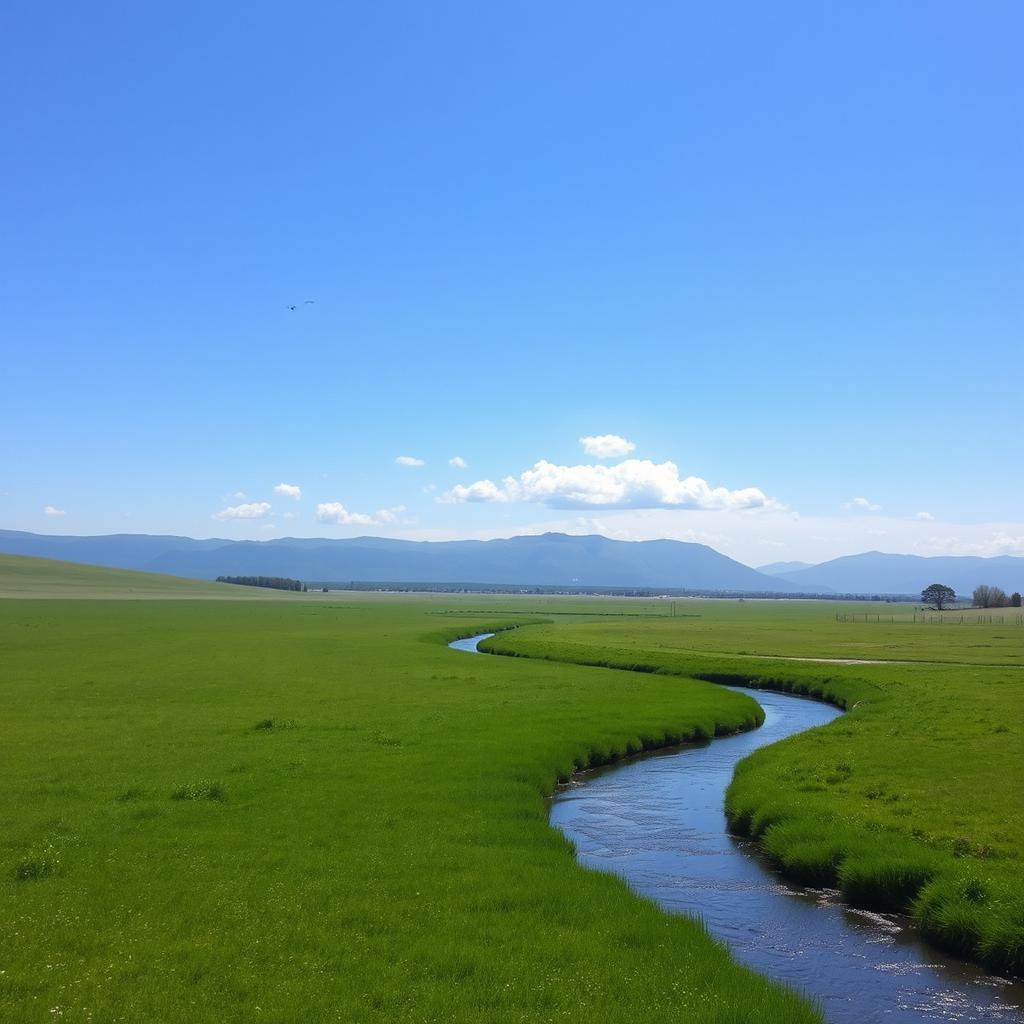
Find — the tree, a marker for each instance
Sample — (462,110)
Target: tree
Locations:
(989,597)
(1015,599)
(937,595)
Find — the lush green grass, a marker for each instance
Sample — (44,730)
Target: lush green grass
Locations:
(48,578)
(809,629)
(312,810)
(914,799)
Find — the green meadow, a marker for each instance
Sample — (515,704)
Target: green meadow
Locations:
(313,810)
(913,800)
(30,578)
(304,808)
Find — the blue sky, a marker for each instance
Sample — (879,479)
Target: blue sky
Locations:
(779,246)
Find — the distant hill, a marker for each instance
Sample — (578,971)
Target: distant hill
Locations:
(781,568)
(23,576)
(552,559)
(876,573)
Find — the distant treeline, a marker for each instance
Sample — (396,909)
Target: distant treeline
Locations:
(273,582)
(578,591)
(995,597)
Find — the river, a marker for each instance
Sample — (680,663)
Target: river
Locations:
(658,821)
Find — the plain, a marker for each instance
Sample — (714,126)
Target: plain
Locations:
(309,810)
(914,800)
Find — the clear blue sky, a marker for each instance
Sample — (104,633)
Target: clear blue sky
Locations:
(780,246)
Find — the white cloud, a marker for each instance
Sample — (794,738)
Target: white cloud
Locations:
(254,510)
(607,446)
(336,513)
(862,504)
(635,483)
(289,491)
(458,462)
(986,540)
(481,490)
(389,515)
(51,511)
(925,517)
(409,460)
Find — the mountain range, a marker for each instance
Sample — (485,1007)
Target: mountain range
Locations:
(781,568)
(551,559)
(875,572)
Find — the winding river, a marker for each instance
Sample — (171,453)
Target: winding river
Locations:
(658,821)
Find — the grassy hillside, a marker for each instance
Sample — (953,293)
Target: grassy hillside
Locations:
(22,577)
(913,800)
(311,811)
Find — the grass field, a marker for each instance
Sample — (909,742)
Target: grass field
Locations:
(47,578)
(306,808)
(913,800)
(310,810)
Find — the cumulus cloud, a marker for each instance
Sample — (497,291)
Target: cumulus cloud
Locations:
(51,511)
(862,504)
(252,510)
(926,517)
(481,490)
(458,462)
(607,446)
(336,513)
(409,460)
(289,491)
(635,483)
(389,515)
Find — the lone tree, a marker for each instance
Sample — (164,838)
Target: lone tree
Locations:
(937,595)
(1015,599)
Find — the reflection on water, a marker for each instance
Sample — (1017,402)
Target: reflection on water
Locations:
(658,821)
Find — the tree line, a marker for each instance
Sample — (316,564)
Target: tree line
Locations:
(938,595)
(995,597)
(273,582)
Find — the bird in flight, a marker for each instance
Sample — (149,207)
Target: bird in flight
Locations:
(306,302)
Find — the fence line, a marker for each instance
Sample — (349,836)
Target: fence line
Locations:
(936,618)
